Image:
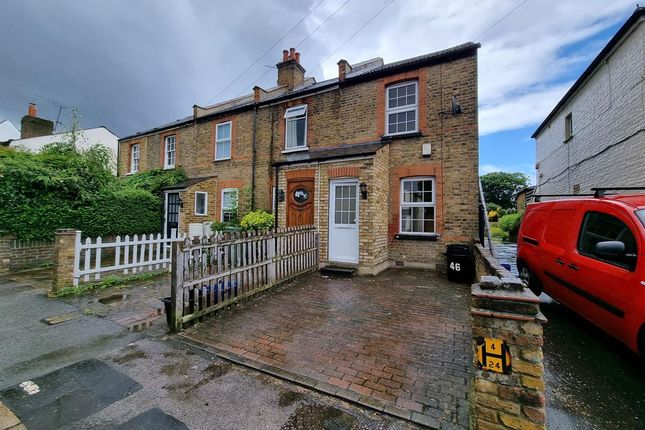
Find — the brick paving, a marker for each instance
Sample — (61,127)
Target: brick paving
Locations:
(398,342)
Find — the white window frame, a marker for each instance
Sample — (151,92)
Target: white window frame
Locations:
(230,140)
(403,204)
(222,208)
(407,108)
(205,213)
(290,116)
(134,161)
(166,152)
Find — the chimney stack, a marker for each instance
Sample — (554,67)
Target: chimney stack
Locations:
(33,110)
(343,69)
(32,126)
(290,72)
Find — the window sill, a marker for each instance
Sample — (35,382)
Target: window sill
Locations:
(568,139)
(221,159)
(390,137)
(288,151)
(201,214)
(423,237)
(168,167)
(130,173)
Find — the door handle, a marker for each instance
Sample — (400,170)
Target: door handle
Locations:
(573,267)
(559,261)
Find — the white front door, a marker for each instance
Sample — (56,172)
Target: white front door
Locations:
(343,221)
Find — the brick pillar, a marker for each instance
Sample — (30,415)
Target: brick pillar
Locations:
(5,253)
(64,255)
(504,309)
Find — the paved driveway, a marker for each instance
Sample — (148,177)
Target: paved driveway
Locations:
(398,342)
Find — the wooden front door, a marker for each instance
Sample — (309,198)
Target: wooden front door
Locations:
(300,202)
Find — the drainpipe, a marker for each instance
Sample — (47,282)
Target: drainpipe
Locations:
(253,161)
(277,203)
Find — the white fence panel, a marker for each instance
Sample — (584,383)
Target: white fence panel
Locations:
(124,254)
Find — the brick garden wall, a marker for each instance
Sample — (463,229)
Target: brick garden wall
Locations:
(501,308)
(18,255)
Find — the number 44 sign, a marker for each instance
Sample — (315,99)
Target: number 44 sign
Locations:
(493,355)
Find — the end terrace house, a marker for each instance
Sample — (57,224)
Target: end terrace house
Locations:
(382,159)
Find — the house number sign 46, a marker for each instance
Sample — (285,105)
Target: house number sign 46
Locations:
(493,355)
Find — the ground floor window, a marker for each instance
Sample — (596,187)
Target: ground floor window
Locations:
(417,206)
(229,204)
(201,203)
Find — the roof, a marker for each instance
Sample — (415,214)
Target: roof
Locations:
(187,183)
(8,131)
(343,151)
(364,71)
(635,17)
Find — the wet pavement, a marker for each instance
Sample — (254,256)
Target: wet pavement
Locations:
(593,381)
(90,372)
(399,342)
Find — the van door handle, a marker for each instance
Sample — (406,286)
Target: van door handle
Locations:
(559,261)
(573,267)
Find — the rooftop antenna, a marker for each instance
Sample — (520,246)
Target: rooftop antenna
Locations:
(60,109)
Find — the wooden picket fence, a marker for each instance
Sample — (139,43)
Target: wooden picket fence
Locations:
(94,258)
(213,272)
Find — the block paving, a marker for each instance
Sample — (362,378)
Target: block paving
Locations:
(399,342)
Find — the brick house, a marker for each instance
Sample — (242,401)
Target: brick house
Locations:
(383,159)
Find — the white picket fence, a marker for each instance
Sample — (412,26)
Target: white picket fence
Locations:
(94,258)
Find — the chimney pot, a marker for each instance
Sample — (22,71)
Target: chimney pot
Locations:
(292,53)
(33,110)
(285,55)
(298,57)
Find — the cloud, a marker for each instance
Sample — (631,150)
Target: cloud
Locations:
(134,66)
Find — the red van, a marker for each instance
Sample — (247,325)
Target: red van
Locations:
(589,254)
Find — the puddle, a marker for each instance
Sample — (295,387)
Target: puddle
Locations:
(319,417)
(287,398)
(134,355)
(114,299)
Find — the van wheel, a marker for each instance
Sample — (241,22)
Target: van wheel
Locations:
(531,280)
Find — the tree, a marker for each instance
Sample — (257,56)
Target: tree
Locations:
(501,187)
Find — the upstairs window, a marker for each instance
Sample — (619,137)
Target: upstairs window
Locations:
(401,108)
(201,203)
(568,126)
(223,141)
(134,158)
(229,204)
(417,206)
(296,127)
(170,152)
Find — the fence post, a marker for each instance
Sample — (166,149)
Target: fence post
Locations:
(64,258)
(176,286)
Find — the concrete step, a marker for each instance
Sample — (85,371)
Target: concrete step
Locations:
(340,271)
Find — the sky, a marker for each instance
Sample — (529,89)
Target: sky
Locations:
(130,66)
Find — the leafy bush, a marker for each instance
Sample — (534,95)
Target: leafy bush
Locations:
(64,187)
(511,223)
(257,220)
(224,225)
(497,233)
(154,180)
(492,216)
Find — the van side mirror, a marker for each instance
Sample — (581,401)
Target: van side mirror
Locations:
(609,248)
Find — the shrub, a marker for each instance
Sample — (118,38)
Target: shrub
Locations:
(511,223)
(257,220)
(492,216)
(497,233)
(154,180)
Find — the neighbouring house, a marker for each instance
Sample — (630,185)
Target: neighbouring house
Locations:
(8,132)
(595,135)
(382,159)
(37,132)
(523,197)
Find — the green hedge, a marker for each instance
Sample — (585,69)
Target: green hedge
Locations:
(511,223)
(63,187)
